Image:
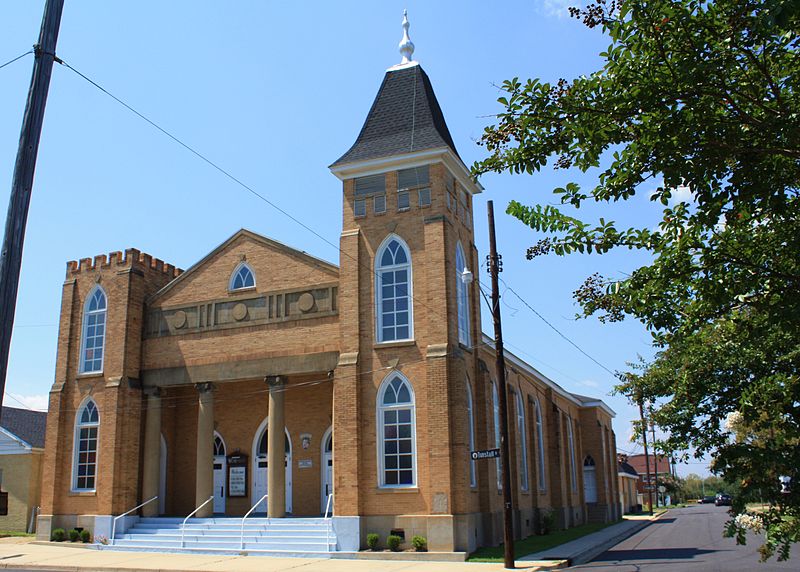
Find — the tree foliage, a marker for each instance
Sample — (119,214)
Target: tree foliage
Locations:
(704,97)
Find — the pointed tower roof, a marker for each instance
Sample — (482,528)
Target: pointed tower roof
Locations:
(405,117)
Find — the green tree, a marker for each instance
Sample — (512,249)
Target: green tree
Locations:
(704,96)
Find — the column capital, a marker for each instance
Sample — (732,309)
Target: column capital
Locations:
(204,387)
(275,381)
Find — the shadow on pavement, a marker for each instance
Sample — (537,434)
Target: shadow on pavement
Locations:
(663,521)
(654,554)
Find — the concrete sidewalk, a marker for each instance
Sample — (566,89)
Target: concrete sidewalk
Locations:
(582,550)
(23,553)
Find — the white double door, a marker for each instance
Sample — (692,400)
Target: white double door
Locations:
(220,472)
(260,481)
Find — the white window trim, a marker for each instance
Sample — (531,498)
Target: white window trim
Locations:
(462,299)
(75,442)
(521,430)
(571,439)
(473,469)
(379,408)
(379,290)
(496,423)
(236,273)
(85,327)
(224,445)
(540,442)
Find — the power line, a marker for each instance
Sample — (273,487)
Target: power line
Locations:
(19,57)
(556,330)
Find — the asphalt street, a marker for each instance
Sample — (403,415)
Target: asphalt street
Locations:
(687,539)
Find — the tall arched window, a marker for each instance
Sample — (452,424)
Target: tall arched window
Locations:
(393,291)
(473,475)
(571,441)
(523,442)
(462,296)
(540,445)
(219,445)
(396,432)
(242,277)
(94,331)
(84,464)
(496,417)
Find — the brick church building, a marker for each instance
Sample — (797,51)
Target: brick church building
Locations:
(357,390)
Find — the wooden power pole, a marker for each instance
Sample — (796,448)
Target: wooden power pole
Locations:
(22,184)
(495,267)
(646,455)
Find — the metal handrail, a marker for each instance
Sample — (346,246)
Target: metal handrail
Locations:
(116,518)
(252,508)
(183,524)
(327,518)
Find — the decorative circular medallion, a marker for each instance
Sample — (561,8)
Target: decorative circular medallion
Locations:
(305,302)
(239,312)
(179,319)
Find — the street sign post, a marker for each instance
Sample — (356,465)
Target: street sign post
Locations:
(485,454)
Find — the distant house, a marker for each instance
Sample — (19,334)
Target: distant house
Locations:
(658,464)
(628,482)
(21,454)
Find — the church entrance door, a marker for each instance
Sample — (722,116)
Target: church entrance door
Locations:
(220,472)
(260,465)
(327,471)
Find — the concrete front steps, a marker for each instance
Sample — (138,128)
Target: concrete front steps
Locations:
(308,537)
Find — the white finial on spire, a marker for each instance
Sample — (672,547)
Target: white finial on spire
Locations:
(406,45)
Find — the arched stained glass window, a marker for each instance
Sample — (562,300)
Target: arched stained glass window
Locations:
(571,442)
(84,467)
(393,291)
(523,442)
(242,277)
(396,432)
(473,475)
(496,417)
(540,446)
(462,297)
(94,331)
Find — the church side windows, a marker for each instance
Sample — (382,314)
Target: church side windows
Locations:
(462,295)
(539,445)
(523,440)
(473,476)
(94,332)
(396,432)
(393,291)
(242,277)
(496,417)
(84,465)
(571,442)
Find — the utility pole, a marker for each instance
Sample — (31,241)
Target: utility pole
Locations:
(22,184)
(655,459)
(646,455)
(495,267)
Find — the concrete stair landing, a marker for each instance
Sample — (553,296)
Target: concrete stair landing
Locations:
(309,537)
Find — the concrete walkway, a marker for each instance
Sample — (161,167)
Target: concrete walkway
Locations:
(583,549)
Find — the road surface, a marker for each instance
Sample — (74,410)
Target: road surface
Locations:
(687,539)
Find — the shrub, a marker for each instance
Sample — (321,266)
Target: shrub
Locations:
(86,536)
(372,540)
(74,535)
(393,542)
(420,543)
(58,535)
(548,522)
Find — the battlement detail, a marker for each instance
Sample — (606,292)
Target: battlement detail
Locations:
(130,258)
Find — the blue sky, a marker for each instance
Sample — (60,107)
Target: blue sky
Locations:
(274,92)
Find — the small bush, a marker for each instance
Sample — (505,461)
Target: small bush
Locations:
(420,543)
(372,540)
(58,535)
(74,535)
(393,542)
(86,536)
(548,522)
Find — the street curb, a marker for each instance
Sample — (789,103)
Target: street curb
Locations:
(597,550)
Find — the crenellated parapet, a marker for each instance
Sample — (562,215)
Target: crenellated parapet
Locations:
(122,260)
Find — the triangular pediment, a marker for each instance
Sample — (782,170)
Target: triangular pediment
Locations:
(275,265)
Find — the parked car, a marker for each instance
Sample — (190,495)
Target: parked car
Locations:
(706,500)
(723,500)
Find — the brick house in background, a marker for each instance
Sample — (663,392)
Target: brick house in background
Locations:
(21,452)
(658,463)
(264,370)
